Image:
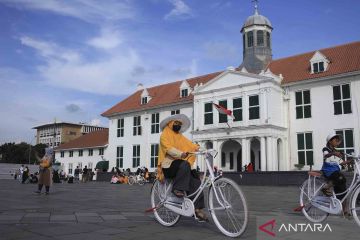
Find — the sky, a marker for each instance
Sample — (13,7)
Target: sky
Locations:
(71,60)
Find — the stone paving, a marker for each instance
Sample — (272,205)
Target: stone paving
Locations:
(103,211)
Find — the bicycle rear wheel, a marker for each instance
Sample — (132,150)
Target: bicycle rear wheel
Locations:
(228,207)
(163,215)
(310,189)
(355,205)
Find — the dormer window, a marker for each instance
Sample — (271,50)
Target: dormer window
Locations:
(145,98)
(184,89)
(184,93)
(319,63)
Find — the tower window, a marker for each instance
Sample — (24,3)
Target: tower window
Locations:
(260,38)
(250,39)
(268,39)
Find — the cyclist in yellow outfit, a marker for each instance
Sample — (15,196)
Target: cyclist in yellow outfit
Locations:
(175,163)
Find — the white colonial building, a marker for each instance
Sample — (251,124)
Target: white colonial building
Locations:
(283,109)
(86,150)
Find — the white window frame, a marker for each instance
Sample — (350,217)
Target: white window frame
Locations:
(154,155)
(254,106)
(341,100)
(302,105)
(120,127)
(136,156)
(120,156)
(155,125)
(305,150)
(137,126)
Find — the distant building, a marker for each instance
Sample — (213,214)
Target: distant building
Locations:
(63,131)
(86,150)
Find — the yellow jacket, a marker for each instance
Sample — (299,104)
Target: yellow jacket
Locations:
(172,145)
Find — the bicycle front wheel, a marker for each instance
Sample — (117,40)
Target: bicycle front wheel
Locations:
(310,189)
(355,205)
(228,207)
(163,215)
(141,181)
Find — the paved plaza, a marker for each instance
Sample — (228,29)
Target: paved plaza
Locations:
(103,211)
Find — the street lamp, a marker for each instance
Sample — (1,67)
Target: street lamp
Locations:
(30,147)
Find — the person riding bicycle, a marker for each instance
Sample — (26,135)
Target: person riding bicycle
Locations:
(331,168)
(175,163)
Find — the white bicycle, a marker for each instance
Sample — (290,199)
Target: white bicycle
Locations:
(139,179)
(316,206)
(226,202)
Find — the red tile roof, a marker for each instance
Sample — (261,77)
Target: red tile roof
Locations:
(161,95)
(92,139)
(343,59)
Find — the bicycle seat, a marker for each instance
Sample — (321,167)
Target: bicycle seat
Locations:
(315,173)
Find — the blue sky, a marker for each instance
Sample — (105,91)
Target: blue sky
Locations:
(73,59)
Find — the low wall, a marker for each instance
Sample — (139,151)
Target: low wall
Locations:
(284,178)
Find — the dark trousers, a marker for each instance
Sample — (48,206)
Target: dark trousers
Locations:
(184,180)
(339,182)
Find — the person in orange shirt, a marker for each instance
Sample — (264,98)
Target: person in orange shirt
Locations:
(175,163)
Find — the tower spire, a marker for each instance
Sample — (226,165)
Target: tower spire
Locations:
(256,6)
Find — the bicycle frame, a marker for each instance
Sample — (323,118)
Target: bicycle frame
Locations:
(204,181)
(354,183)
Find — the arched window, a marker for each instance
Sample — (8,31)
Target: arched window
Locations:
(250,39)
(260,38)
(268,39)
(244,41)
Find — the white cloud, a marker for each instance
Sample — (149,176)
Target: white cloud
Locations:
(50,50)
(109,39)
(180,11)
(117,72)
(93,11)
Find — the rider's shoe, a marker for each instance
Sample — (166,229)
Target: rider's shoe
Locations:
(201,216)
(327,191)
(347,215)
(178,193)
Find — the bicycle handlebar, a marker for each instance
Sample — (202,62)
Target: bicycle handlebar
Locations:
(203,152)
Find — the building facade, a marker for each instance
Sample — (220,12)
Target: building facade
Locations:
(54,134)
(282,109)
(86,150)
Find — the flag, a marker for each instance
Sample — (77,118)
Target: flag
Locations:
(223,110)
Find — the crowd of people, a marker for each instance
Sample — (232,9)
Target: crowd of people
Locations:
(122,176)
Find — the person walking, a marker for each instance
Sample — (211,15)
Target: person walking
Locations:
(45,171)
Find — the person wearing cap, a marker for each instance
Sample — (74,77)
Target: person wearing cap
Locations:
(175,163)
(331,168)
(45,171)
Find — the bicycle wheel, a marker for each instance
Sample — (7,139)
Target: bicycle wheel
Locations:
(355,205)
(310,189)
(141,181)
(132,180)
(228,207)
(163,215)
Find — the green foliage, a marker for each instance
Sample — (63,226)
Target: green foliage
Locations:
(21,152)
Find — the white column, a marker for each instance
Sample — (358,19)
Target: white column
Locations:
(217,160)
(275,155)
(269,155)
(245,151)
(264,105)
(263,153)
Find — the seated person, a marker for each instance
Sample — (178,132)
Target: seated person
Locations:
(331,168)
(174,162)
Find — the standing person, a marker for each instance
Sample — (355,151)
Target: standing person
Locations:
(76,173)
(85,174)
(25,174)
(45,171)
(174,161)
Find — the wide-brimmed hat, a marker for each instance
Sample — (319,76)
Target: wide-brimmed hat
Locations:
(333,135)
(178,117)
